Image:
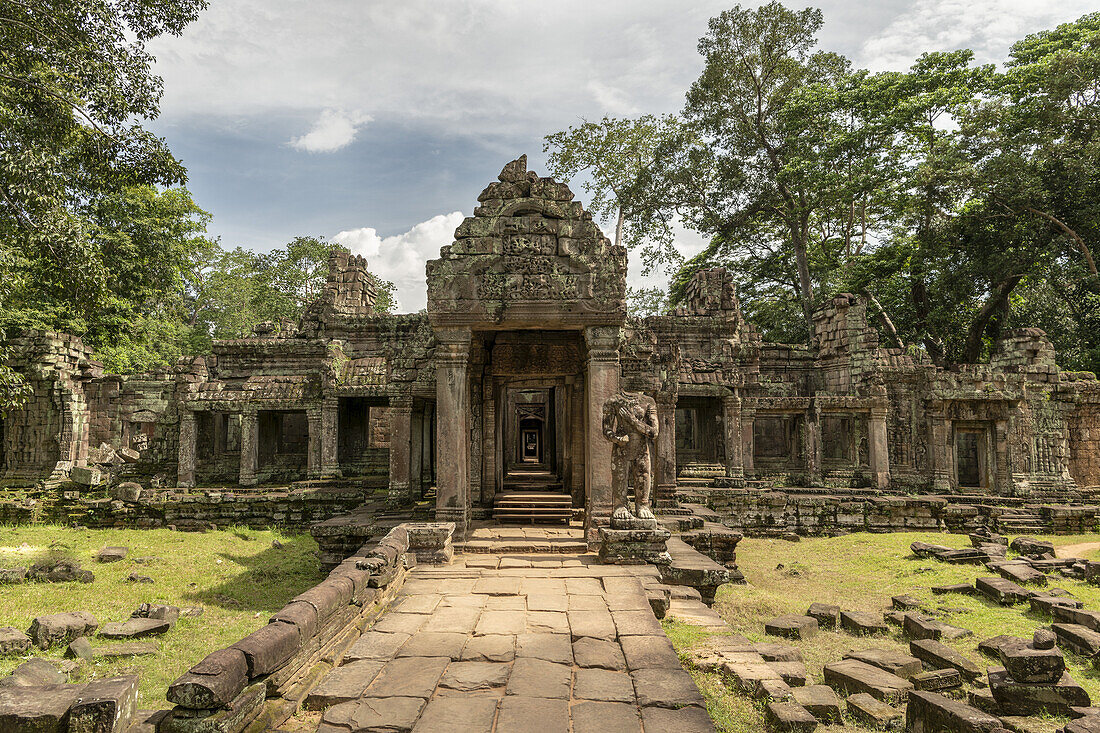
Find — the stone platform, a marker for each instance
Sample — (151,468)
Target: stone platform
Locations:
(496,538)
(561,645)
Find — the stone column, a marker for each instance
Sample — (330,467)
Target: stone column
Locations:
(250,447)
(185,469)
(313,461)
(601,382)
(748,445)
(400,451)
(878,452)
(452,358)
(942,453)
(664,463)
(813,446)
(330,437)
(735,450)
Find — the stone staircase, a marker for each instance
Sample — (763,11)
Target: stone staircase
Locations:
(533,506)
(1020,522)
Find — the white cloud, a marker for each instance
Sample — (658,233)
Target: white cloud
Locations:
(333,130)
(400,258)
(988,27)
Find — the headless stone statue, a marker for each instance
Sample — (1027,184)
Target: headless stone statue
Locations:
(630,423)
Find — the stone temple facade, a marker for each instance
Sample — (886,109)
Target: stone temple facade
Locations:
(496,391)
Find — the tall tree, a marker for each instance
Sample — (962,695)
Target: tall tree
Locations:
(612,154)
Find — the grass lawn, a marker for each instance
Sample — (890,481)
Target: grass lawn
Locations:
(861,572)
(237,576)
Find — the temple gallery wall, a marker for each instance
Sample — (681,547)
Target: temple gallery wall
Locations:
(497,391)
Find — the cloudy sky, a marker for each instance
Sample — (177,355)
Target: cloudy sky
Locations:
(378,122)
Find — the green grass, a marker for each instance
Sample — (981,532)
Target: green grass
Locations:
(860,572)
(235,575)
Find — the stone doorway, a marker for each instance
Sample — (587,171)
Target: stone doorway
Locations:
(970,458)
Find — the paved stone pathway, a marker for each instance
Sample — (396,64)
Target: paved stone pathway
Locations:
(511,644)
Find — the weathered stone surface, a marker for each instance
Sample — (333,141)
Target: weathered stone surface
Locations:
(862,623)
(940,656)
(79,648)
(827,615)
(1021,698)
(269,647)
(937,679)
(458,714)
(434,644)
(375,714)
(212,683)
(547,647)
(793,673)
(13,641)
(1077,639)
(930,712)
(1002,591)
(820,701)
(792,627)
(684,720)
(894,662)
(125,649)
(61,628)
(853,676)
(490,648)
(1032,547)
(992,646)
(470,676)
(376,645)
(105,706)
(343,684)
(605,717)
(111,554)
(649,652)
(778,652)
(538,678)
(873,713)
(36,709)
(597,653)
(35,672)
(525,714)
(135,628)
(1025,663)
(669,688)
(1022,574)
(789,716)
(603,685)
(408,677)
(905,602)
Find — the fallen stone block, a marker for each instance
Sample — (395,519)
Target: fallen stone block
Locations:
(13,642)
(792,627)
(924,549)
(852,676)
(85,476)
(894,662)
(873,713)
(42,709)
(828,616)
(35,672)
(111,554)
(1025,663)
(778,652)
(747,676)
(820,701)
(1025,698)
(773,690)
(1070,615)
(1032,547)
(125,649)
(1077,639)
(1022,574)
(135,628)
(905,602)
(992,646)
(982,699)
(61,628)
(862,623)
(1004,592)
(930,712)
(105,706)
(917,626)
(789,716)
(793,673)
(961,588)
(938,655)
(1043,604)
(937,679)
(79,648)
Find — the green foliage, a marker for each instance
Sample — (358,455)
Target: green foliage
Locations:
(958,199)
(646,301)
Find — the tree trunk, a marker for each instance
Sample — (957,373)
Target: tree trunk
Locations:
(619,228)
(805,284)
(888,324)
(997,299)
